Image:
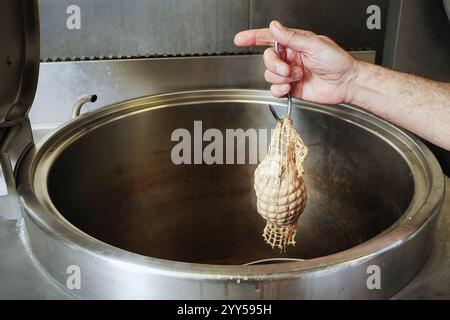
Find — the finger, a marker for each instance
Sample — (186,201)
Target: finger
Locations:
(299,40)
(275,64)
(280,90)
(293,57)
(271,77)
(254,37)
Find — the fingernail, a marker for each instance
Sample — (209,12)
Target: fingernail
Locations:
(237,39)
(278,24)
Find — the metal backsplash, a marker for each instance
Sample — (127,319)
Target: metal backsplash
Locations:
(136,27)
(141,27)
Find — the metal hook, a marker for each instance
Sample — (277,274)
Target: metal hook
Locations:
(289,97)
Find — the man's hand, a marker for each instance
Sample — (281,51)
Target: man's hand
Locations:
(316,68)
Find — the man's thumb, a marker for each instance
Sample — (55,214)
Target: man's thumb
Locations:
(298,40)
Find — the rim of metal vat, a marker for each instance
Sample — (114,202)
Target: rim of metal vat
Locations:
(32,188)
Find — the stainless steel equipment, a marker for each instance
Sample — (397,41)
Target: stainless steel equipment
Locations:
(116,28)
(102,194)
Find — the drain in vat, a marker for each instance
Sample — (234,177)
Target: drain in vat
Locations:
(280,189)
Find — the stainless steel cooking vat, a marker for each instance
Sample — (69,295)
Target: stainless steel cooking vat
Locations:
(102,194)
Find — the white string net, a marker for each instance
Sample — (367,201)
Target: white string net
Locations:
(280,189)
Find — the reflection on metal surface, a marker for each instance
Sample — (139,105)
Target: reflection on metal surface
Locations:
(373,202)
(273,260)
(447,8)
(14,143)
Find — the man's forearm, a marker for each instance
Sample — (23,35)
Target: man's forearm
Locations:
(417,104)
